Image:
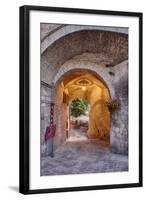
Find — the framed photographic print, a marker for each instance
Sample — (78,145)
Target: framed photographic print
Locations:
(80,99)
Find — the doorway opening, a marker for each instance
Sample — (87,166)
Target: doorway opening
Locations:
(81,111)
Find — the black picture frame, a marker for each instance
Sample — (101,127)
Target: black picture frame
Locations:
(25,105)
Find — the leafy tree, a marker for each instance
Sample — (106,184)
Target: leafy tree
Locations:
(78,107)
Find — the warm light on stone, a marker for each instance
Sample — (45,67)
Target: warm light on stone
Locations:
(83,88)
(84,84)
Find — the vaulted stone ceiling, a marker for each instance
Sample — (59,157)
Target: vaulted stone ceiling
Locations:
(83,84)
(107,44)
(52,32)
(105,48)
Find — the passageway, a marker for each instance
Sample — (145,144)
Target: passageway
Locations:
(81,110)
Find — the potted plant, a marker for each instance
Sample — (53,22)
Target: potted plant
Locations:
(113,105)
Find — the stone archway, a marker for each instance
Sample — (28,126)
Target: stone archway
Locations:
(58,31)
(101,72)
(105,52)
(97,128)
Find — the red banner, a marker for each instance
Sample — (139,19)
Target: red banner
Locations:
(50,130)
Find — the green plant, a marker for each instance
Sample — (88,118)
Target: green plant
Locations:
(78,107)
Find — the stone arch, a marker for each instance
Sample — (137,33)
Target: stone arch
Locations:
(61,108)
(99,70)
(103,45)
(63,30)
(119,127)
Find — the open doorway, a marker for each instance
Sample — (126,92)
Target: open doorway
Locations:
(79,109)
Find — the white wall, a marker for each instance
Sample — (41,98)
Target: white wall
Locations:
(9,86)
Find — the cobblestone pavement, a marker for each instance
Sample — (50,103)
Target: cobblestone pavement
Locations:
(78,134)
(79,157)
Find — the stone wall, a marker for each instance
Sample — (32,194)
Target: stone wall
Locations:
(55,94)
(46,148)
(119,131)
